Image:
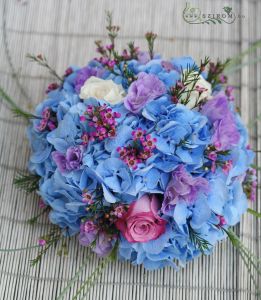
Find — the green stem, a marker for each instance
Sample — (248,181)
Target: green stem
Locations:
(33,220)
(254,213)
(251,275)
(72,280)
(42,61)
(92,278)
(250,260)
(19,249)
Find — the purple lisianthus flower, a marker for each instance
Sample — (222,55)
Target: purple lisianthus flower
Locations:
(183,187)
(73,158)
(88,233)
(84,74)
(70,161)
(226,134)
(104,244)
(146,88)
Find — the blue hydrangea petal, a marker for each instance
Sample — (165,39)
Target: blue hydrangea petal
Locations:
(181,213)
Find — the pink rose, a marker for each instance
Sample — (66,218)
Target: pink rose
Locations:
(141,223)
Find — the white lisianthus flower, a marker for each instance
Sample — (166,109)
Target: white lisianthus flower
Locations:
(202,90)
(98,88)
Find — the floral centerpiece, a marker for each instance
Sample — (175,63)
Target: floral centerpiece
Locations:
(142,158)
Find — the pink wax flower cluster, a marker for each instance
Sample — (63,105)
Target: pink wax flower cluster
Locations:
(216,157)
(85,139)
(41,242)
(48,121)
(87,198)
(103,120)
(107,52)
(140,150)
(222,221)
(250,184)
(119,211)
(142,223)
(229,92)
(110,63)
(227,166)
(51,87)
(213,157)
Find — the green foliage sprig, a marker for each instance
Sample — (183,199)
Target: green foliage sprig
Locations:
(73,279)
(27,182)
(199,242)
(215,71)
(128,74)
(34,219)
(112,29)
(151,37)
(86,286)
(181,92)
(192,77)
(42,61)
(51,239)
(17,111)
(109,52)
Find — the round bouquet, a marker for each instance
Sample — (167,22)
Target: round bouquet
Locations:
(144,159)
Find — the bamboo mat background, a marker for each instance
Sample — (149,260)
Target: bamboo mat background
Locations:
(65,31)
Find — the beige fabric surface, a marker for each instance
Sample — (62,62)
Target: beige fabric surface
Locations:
(65,31)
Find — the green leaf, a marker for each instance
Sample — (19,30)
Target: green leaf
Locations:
(254,213)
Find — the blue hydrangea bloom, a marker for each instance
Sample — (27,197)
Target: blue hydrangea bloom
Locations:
(64,196)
